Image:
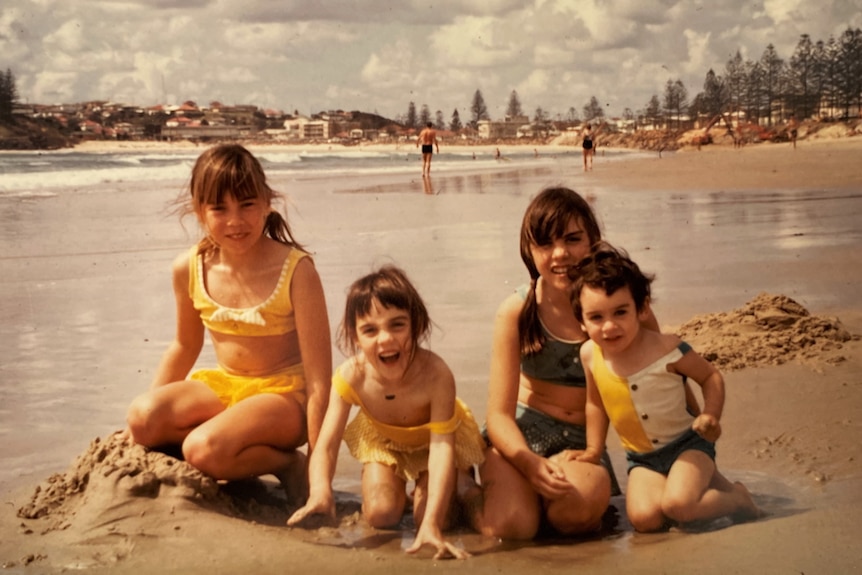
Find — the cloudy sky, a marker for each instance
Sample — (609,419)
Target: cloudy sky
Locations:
(379,55)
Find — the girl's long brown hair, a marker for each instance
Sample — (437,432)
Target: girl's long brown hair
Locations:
(546,218)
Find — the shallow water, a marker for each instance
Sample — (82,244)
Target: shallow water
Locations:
(86,300)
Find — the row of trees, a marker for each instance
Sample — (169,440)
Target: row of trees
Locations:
(479,111)
(819,78)
(8,95)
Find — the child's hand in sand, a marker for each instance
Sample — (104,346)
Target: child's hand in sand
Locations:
(316,505)
(707,426)
(431,535)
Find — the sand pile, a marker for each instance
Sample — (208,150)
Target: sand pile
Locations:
(114,469)
(768,330)
(115,479)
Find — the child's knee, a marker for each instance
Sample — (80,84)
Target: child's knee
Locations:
(383,506)
(646,518)
(382,514)
(678,508)
(139,420)
(200,450)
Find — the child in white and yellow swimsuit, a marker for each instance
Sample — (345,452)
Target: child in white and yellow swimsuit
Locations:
(411,426)
(636,381)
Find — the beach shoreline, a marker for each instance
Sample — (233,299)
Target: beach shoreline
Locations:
(718,227)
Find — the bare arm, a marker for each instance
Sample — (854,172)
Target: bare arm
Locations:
(546,477)
(597,418)
(441,472)
(312,327)
(323,461)
(694,366)
(503,384)
(183,351)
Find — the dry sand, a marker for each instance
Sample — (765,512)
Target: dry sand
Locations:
(791,357)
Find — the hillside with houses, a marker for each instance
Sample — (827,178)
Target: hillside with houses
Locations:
(42,127)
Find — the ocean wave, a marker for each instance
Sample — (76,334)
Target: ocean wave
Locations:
(86,177)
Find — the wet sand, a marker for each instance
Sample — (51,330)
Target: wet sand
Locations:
(86,299)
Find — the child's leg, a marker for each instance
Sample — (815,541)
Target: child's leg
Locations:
(256,436)
(643,499)
(384,495)
(582,509)
(165,415)
(505,505)
(693,491)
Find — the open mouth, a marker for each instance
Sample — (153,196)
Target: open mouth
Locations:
(389,357)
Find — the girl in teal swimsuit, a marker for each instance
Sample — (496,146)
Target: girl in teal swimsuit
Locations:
(537,395)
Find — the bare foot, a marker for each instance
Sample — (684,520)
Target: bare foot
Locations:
(294,479)
(748,510)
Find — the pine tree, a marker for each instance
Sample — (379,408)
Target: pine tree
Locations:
(478,108)
(410,121)
(424,115)
(439,123)
(514,108)
(593,111)
(455,123)
(8,95)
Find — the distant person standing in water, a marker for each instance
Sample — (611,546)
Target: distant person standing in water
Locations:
(587,142)
(428,140)
(793,129)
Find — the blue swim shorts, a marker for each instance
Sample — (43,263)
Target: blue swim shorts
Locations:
(661,460)
(547,436)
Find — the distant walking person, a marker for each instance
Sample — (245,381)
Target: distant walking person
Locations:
(428,140)
(793,129)
(587,142)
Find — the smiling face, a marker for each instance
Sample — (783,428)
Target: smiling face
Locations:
(235,225)
(557,255)
(385,337)
(611,321)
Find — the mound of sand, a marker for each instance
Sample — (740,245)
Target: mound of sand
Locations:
(113,469)
(115,478)
(768,330)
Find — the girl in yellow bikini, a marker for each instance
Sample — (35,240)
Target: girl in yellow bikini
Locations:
(410,425)
(250,284)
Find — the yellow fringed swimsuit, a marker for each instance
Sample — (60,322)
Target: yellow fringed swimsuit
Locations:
(406,448)
(272,317)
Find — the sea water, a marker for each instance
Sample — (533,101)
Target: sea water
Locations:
(41,172)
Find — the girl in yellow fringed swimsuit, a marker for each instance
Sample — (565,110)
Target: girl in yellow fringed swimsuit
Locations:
(257,292)
(410,427)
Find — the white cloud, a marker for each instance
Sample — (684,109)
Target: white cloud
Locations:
(380,55)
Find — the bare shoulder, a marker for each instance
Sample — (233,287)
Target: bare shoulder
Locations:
(433,365)
(305,276)
(665,342)
(587,351)
(181,261)
(350,371)
(180,268)
(511,307)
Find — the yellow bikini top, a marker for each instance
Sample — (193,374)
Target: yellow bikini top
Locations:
(274,316)
(415,435)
